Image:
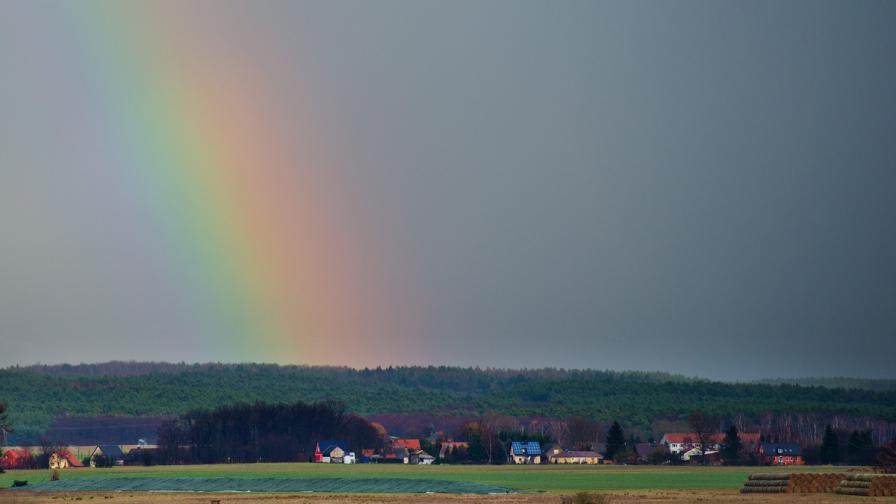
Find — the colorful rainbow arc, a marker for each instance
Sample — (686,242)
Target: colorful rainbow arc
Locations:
(263,259)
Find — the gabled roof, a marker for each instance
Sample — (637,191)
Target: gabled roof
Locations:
(410,444)
(781,449)
(109,450)
(528,448)
(72,459)
(326,445)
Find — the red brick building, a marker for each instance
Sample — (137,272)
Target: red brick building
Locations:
(780,454)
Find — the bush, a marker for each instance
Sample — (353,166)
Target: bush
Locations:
(585,498)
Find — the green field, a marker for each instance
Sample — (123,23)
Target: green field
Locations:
(554,479)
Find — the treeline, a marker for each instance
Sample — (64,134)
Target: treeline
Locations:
(259,432)
(38,394)
(837,382)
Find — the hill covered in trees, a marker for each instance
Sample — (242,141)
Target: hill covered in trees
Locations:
(37,394)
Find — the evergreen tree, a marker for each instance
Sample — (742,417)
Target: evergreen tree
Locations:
(615,441)
(477,452)
(861,447)
(830,447)
(5,426)
(731,446)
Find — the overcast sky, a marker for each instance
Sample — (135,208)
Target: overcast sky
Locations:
(698,187)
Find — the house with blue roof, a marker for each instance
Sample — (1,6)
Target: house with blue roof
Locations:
(525,452)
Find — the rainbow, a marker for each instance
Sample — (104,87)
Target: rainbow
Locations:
(269,268)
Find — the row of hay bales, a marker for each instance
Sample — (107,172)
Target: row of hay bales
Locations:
(792,483)
(872,485)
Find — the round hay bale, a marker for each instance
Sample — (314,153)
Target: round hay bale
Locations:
(769,476)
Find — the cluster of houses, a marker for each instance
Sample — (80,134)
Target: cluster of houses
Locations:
(23,457)
(399,451)
(683,446)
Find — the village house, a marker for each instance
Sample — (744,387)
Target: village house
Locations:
(525,452)
(683,442)
(63,460)
(112,453)
(780,454)
(575,457)
(410,444)
(420,457)
(333,452)
(551,449)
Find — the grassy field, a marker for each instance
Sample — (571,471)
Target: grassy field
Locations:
(551,479)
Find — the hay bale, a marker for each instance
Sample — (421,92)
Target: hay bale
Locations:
(764,483)
(764,489)
(854,491)
(770,476)
(874,485)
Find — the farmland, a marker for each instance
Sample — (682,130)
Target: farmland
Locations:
(531,484)
(550,479)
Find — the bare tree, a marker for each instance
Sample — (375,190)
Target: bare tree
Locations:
(582,432)
(491,425)
(704,426)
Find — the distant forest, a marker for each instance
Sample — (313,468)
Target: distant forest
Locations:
(37,394)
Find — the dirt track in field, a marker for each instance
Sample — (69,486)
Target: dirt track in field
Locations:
(625,497)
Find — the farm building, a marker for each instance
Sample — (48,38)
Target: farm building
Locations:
(112,453)
(525,452)
(780,454)
(575,457)
(696,455)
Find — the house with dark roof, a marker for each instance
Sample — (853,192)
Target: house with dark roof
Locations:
(780,454)
(525,452)
(112,454)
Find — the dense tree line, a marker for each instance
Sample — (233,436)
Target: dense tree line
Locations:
(259,432)
(35,395)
